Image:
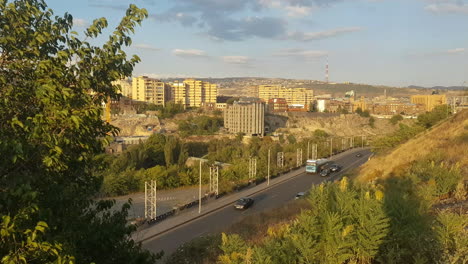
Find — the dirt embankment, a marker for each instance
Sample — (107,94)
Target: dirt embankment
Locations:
(448,138)
(304,124)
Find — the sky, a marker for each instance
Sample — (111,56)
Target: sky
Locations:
(382,42)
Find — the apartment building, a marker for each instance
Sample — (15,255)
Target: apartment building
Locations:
(246,117)
(126,87)
(149,90)
(362,103)
(179,93)
(429,101)
(267,92)
(293,96)
(194,93)
(276,105)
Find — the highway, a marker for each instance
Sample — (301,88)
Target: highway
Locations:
(269,198)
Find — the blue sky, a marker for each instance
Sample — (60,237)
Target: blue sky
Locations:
(389,42)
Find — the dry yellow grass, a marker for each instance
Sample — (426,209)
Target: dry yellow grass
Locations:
(445,138)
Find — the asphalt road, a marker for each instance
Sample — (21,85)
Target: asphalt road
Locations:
(270,198)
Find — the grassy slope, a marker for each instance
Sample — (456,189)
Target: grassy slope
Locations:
(445,138)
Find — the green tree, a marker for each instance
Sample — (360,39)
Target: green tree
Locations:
(372,122)
(318,133)
(395,119)
(431,118)
(52,87)
(291,139)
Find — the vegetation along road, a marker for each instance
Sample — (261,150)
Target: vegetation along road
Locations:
(268,198)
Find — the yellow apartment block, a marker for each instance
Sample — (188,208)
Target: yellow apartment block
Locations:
(300,96)
(126,87)
(267,92)
(429,101)
(179,93)
(150,90)
(199,92)
(359,104)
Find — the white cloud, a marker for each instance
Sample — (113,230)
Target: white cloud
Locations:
(455,51)
(308,36)
(298,11)
(189,53)
(236,59)
(79,22)
(301,53)
(270,3)
(168,75)
(447,6)
(146,46)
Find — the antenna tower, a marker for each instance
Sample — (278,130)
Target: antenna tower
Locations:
(327,76)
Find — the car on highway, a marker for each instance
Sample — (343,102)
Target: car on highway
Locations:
(335,168)
(359,155)
(243,203)
(299,195)
(324,173)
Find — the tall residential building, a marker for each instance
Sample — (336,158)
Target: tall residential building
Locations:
(211,92)
(429,101)
(293,96)
(267,92)
(245,117)
(179,93)
(126,87)
(150,90)
(194,93)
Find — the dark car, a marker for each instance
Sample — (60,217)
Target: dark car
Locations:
(335,168)
(243,203)
(359,155)
(324,173)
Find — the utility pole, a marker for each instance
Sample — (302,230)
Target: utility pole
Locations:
(214,177)
(268,177)
(199,190)
(331,147)
(314,151)
(299,157)
(280,159)
(150,199)
(342,144)
(308,146)
(252,168)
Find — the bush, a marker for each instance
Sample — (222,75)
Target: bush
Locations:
(429,119)
(200,125)
(395,119)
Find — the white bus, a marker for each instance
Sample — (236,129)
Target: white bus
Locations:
(315,166)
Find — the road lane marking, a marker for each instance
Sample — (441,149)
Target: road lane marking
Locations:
(210,212)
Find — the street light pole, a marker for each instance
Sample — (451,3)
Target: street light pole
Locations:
(199,190)
(268,179)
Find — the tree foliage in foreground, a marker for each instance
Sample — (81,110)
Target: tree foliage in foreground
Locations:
(52,86)
(391,221)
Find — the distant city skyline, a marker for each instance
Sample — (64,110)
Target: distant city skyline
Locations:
(381,42)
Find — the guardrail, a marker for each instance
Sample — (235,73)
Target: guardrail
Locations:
(237,188)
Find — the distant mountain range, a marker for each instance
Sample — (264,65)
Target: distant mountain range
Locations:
(440,87)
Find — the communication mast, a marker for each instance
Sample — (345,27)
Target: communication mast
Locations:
(327,75)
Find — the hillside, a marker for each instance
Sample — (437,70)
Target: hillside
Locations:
(303,124)
(449,139)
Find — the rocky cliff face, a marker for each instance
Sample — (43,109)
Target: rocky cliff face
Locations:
(304,124)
